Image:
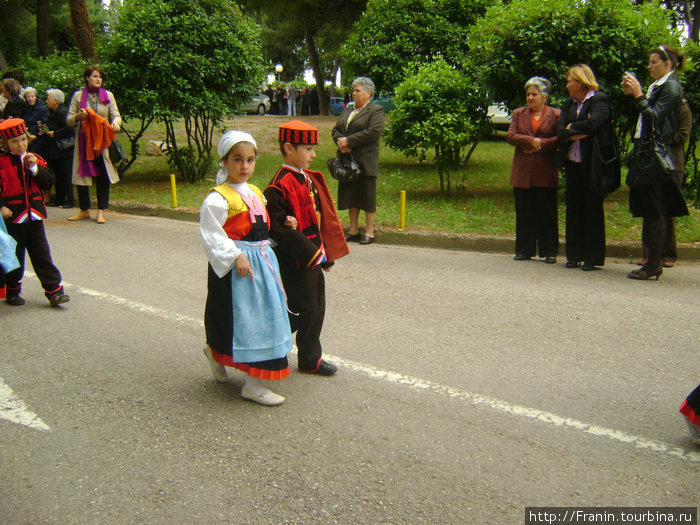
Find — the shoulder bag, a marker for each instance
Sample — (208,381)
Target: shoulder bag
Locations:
(604,177)
(343,168)
(649,162)
(117,153)
(65,143)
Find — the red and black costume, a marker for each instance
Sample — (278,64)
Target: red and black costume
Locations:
(303,253)
(21,192)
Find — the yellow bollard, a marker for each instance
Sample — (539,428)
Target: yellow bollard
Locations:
(402,210)
(173,190)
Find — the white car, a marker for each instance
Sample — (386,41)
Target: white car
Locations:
(258,104)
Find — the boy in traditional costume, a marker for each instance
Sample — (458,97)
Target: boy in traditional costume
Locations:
(304,253)
(23,178)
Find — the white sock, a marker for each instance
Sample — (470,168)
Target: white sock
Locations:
(255,385)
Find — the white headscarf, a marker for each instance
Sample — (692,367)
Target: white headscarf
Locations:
(226,142)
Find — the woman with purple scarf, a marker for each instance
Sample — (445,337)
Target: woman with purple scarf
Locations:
(101,169)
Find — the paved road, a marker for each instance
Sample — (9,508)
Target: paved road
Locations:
(470,387)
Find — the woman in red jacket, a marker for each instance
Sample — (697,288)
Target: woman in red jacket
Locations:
(534,175)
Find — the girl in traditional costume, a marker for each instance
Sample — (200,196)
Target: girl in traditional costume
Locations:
(245,320)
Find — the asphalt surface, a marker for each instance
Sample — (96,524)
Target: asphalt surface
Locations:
(470,387)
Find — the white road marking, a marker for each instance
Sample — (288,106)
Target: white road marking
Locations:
(422,385)
(13,409)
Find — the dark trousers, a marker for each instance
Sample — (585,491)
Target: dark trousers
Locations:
(536,222)
(306,296)
(102,184)
(31,236)
(63,190)
(585,219)
(654,235)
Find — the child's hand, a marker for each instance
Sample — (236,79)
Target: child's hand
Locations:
(30,160)
(243,266)
(6,213)
(291,222)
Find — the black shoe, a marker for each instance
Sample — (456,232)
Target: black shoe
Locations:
(15,300)
(58,298)
(521,257)
(588,267)
(67,205)
(53,204)
(366,239)
(573,264)
(324,369)
(550,260)
(353,237)
(645,273)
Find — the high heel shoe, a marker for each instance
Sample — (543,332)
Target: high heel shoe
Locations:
(645,273)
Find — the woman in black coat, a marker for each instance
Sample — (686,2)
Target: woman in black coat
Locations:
(60,151)
(585,114)
(358,131)
(659,112)
(16,105)
(36,116)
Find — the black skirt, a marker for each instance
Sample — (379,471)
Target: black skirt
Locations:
(361,194)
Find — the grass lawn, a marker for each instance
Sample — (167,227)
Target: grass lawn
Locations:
(482,202)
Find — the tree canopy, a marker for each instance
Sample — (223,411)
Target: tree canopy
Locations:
(393,35)
(178,59)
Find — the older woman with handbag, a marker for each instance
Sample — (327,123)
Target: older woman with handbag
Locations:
(658,116)
(585,116)
(358,132)
(101,169)
(61,143)
(534,175)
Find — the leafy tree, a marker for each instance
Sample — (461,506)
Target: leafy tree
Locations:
(518,40)
(690,79)
(442,109)
(392,35)
(63,71)
(312,29)
(184,63)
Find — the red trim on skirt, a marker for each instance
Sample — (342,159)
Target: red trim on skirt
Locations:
(249,368)
(688,412)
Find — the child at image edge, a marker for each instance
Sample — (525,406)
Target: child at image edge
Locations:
(23,179)
(245,320)
(306,252)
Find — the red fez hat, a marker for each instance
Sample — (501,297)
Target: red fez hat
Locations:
(298,132)
(12,127)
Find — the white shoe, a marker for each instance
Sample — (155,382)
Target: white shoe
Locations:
(266,397)
(217,370)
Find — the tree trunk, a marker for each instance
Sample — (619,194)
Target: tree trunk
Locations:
(695,21)
(82,30)
(42,27)
(3,62)
(318,74)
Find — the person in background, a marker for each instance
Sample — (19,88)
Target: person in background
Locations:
(585,114)
(16,106)
(534,174)
(358,131)
(658,112)
(669,252)
(36,116)
(292,101)
(60,148)
(96,98)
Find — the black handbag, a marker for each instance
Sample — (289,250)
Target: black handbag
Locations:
(117,153)
(649,162)
(604,177)
(65,143)
(343,168)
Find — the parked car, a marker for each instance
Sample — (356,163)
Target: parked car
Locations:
(337,105)
(259,104)
(500,116)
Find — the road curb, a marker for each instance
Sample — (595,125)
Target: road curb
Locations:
(441,240)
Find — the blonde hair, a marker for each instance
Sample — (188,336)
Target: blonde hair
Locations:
(583,74)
